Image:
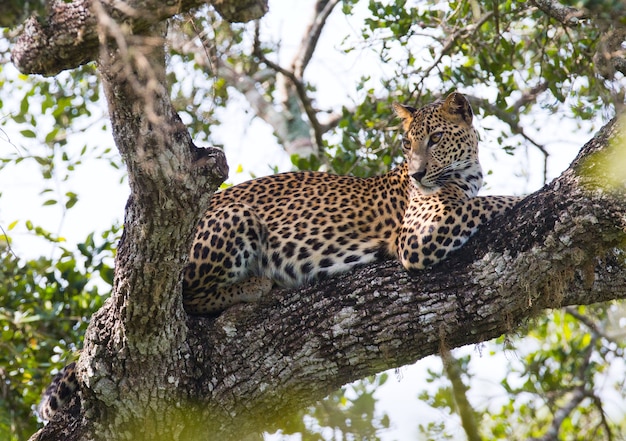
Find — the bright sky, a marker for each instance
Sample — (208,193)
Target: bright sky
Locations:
(249,142)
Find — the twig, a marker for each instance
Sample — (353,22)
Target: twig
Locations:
(588,323)
(598,403)
(559,416)
(298,85)
(459,389)
(465,32)
(6,238)
(609,56)
(511,118)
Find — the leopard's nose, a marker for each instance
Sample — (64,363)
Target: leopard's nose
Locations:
(418,175)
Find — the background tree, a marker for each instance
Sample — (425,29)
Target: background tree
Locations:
(534,56)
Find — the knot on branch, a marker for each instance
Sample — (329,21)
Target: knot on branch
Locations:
(240,11)
(211,162)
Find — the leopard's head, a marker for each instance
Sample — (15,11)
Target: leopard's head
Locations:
(440,145)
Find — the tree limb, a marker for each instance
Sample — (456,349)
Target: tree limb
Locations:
(565,15)
(311,35)
(579,393)
(511,117)
(68,38)
(610,55)
(453,36)
(290,81)
(301,91)
(576,398)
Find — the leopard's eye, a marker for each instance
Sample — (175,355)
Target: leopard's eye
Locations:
(434,138)
(406,143)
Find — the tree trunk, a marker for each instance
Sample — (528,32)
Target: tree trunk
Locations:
(148,371)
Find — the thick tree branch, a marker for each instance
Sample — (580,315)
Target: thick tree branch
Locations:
(68,38)
(171,180)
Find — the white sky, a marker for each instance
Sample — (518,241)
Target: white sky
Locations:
(249,142)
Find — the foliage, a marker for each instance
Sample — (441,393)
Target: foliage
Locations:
(46,306)
(572,352)
(516,63)
(349,413)
(560,377)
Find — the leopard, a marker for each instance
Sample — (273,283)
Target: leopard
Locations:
(64,384)
(440,146)
(294,228)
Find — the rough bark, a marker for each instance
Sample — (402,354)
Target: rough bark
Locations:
(67,37)
(141,327)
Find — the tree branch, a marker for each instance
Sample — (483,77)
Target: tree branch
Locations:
(171,181)
(579,393)
(593,327)
(68,38)
(511,117)
(576,398)
(293,80)
(566,15)
(311,35)
(300,88)
(610,56)
(454,35)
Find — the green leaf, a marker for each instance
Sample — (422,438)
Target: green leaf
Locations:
(28,133)
(72,199)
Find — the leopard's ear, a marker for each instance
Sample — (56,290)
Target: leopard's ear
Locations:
(404,112)
(457,106)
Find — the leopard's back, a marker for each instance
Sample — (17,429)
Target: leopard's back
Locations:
(291,228)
